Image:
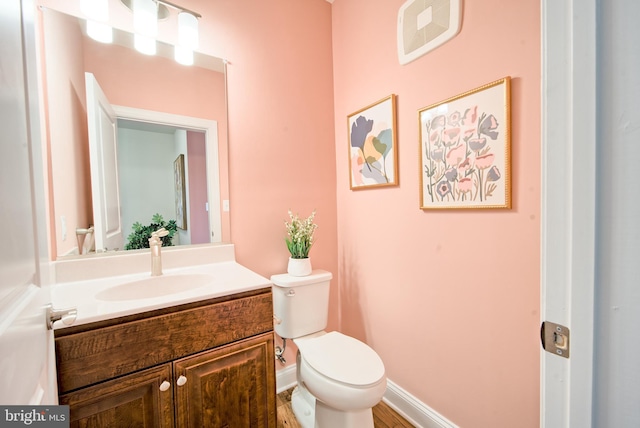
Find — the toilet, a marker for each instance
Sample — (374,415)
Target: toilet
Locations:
(339,377)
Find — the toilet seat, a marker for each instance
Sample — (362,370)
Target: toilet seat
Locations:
(342,359)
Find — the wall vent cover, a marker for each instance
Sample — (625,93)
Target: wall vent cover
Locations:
(423,25)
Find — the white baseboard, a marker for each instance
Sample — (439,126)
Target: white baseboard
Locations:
(414,410)
(408,406)
(285,378)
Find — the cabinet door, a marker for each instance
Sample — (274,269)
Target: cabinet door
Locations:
(232,386)
(132,401)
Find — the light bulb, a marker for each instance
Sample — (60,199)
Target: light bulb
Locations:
(188,30)
(145,17)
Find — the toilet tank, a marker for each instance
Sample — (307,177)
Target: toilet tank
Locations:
(300,303)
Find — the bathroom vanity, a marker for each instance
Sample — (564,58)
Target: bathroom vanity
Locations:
(206,359)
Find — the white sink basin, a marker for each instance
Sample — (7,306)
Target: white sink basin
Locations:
(155,286)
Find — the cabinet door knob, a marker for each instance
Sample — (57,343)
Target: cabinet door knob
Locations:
(164,386)
(181,380)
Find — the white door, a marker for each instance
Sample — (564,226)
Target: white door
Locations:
(27,363)
(590,230)
(616,374)
(101,124)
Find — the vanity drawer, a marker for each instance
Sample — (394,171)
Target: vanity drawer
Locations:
(91,356)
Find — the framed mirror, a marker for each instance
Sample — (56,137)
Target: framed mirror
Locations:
(160,103)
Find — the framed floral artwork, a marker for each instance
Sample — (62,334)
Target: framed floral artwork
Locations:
(465,150)
(373,151)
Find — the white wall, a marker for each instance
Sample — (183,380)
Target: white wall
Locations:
(617,355)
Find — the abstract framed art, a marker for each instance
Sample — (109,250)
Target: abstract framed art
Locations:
(373,148)
(465,150)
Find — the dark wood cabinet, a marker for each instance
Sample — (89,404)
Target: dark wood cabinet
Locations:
(135,400)
(227,387)
(205,364)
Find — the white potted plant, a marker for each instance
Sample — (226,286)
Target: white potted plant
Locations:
(299,241)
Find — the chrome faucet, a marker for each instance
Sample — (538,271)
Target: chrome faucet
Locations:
(155,243)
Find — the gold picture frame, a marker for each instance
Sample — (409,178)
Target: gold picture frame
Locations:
(180,192)
(465,150)
(373,147)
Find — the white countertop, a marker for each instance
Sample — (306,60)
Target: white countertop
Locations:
(223,278)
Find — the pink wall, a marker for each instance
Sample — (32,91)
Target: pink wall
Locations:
(449,299)
(198,215)
(281,129)
(68,152)
(435,293)
(156,83)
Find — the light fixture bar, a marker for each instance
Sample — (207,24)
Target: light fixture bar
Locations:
(175,6)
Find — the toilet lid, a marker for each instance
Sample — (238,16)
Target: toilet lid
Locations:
(343,359)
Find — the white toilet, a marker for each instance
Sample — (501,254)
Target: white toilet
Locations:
(339,378)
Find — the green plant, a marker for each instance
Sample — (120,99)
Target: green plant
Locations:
(139,238)
(300,235)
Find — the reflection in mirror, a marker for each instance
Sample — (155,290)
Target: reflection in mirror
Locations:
(147,153)
(138,86)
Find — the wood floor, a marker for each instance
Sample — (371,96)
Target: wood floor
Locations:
(383,415)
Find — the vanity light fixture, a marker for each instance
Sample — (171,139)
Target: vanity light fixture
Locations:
(145,25)
(97,13)
(146,14)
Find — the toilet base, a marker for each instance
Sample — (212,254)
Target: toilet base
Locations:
(330,417)
(312,413)
(303,405)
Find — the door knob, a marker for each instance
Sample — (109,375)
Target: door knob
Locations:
(165,386)
(181,380)
(67,316)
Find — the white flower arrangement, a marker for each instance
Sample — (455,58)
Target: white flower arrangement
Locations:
(300,235)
